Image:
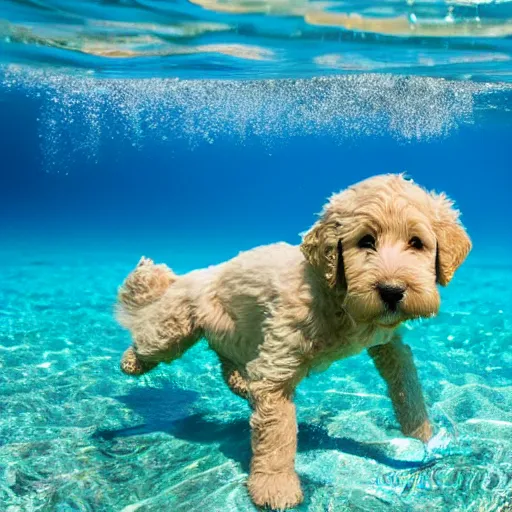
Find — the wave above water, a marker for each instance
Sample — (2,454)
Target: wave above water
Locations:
(459,39)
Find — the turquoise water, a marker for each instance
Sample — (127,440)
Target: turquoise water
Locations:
(188,131)
(78,435)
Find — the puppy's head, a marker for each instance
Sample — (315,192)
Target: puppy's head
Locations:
(383,245)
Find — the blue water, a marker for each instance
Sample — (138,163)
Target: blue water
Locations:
(105,158)
(261,38)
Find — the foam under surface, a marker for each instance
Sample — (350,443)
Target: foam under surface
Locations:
(79,113)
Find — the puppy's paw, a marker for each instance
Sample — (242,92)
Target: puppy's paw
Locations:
(277,491)
(424,432)
(132,365)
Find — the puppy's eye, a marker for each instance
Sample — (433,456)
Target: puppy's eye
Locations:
(416,242)
(367,242)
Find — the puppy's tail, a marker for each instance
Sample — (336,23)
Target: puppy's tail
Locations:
(144,285)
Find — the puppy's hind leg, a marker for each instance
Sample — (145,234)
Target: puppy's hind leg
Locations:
(137,361)
(159,334)
(131,364)
(233,378)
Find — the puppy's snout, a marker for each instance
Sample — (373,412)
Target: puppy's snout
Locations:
(391,295)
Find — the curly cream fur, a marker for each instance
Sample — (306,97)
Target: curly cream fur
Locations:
(275,313)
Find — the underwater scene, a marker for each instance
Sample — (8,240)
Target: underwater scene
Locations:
(192,132)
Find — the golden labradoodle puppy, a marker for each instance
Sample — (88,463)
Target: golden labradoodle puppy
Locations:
(274,313)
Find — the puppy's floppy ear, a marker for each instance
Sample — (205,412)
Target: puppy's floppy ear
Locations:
(453,243)
(322,249)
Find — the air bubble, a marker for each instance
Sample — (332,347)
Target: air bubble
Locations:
(77,115)
(449,17)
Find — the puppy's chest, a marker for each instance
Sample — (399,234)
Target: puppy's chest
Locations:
(333,348)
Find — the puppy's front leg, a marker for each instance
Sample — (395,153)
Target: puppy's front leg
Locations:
(395,364)
(273,481)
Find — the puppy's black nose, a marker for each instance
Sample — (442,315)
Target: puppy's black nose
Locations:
(391,295)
